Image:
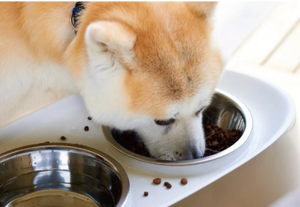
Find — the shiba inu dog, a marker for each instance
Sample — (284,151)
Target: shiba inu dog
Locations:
(148,67)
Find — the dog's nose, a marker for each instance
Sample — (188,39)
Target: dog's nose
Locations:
(193,154)
(196,154)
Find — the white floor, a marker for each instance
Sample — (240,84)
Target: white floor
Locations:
(236,20)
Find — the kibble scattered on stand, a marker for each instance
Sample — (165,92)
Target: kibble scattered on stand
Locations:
(156,181)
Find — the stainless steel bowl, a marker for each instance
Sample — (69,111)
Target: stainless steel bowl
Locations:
(60,175)
(225,111)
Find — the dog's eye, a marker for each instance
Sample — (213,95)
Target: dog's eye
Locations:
(164,122)
(198,112)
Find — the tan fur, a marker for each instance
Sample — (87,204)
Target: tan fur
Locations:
(32,70)
(133,63)
(36,25)
(171,49)
(171,54)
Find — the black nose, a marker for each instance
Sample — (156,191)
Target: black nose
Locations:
(196,154)
(193,153)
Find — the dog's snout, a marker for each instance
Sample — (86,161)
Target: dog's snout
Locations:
(197,154)
(193,153)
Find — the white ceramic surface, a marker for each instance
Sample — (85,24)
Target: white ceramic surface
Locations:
(273,115)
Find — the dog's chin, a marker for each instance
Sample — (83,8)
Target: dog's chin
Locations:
(187,155)
(168,157)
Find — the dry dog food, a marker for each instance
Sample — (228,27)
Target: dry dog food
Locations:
(168,185)
(146,193)
(63,138)
(157,181)
(89,118)
(86,128)
(183,181)
(217,140)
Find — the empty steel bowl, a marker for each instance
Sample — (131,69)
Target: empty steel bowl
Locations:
(60,175)
(225,111)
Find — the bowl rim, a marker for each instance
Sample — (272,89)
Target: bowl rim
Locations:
(248,128)
(109,161)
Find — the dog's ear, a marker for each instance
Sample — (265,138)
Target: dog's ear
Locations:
(109,37)
(204,9)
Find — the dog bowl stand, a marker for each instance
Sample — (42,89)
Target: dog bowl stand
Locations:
(68,117)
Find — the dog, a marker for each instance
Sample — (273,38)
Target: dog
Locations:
(147,67)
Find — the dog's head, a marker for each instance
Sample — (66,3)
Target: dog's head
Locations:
(148,67)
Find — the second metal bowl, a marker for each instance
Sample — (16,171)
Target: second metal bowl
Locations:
(60,175)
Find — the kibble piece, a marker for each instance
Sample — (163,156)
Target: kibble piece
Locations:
(146,193)
(89,118)
(169,185)
(86,128)
(157,181)
(63,138)
(214,143)
(232,134)
(184,181)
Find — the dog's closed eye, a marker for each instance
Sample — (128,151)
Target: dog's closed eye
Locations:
(164,122)
(200,110)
